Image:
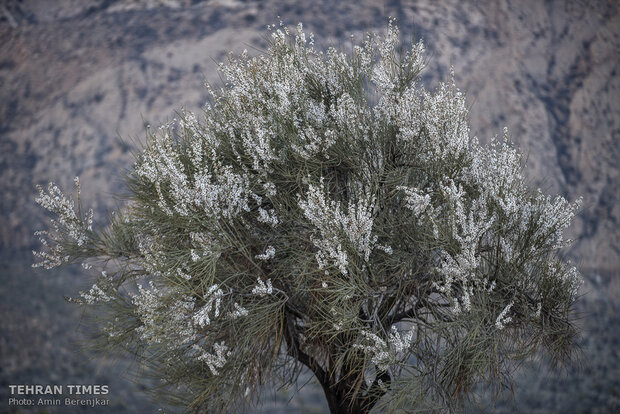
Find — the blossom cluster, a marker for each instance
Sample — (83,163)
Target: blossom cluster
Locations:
(67,225)
(94,295)
(215,360)
(166,317)
(386,353)
(331,222)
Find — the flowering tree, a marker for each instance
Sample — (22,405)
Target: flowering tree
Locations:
(328,212)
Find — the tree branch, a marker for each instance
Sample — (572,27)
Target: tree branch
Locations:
(408,314)
(294,350)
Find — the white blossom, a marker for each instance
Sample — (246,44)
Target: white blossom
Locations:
(183,275)
(213,299)
(165,315)
(94,295)
(416,201)
(332,224)
(217,359)
(238,311)
(268,217)
(269,253)
(66,222)
(262,288)
(204,245)
(400,343)
(502,318)
(383,353)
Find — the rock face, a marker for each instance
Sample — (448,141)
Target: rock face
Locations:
(81,79)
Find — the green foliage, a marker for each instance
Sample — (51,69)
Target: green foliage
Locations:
(327,211)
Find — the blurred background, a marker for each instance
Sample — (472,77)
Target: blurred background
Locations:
(81,79)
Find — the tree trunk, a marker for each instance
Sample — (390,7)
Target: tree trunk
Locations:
(339,404)
(337,395)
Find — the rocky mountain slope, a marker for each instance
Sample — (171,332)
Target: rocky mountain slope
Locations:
(81,79)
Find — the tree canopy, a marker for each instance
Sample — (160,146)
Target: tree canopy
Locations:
(328,211)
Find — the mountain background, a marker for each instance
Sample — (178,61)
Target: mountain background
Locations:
(80,80)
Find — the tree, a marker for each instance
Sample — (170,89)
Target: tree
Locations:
(328,212)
